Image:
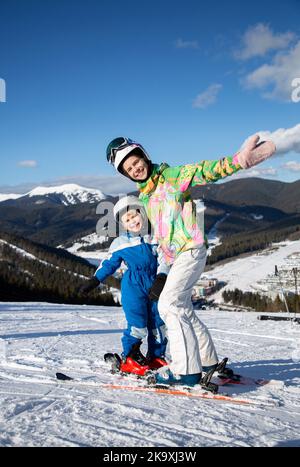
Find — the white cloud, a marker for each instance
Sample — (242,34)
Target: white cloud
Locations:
(257,172)
(270,171)
(293,166)
(28,164)
(181,44)
(207,97)
(275,79)
(258,40)
(111,185)
(285,139)
(18,189)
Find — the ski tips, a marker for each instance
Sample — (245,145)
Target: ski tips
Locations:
(63,377)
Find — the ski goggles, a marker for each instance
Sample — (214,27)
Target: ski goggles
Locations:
(116,145)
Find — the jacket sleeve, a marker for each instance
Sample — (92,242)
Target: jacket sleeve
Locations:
(111,264)
(201,173)
(162,267)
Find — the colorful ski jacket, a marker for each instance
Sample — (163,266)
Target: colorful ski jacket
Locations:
(169,206)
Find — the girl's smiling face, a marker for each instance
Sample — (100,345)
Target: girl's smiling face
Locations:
(132,221)
(136,167)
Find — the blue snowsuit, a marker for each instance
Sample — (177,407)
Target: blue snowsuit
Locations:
(140,256)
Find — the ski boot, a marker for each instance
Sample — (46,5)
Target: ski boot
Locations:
(206,384)
(226,373)
(156,362)
(165,377)
(223,372)
(135,362)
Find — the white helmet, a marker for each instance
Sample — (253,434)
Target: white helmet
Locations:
(127,203)
(119,148)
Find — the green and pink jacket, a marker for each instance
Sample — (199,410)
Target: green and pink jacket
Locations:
(169,206)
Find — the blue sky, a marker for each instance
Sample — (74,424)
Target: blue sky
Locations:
(189,80)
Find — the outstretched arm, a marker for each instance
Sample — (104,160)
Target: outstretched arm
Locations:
(111,264)
(207,171)
(185,176)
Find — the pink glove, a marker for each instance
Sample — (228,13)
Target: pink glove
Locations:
(253,153)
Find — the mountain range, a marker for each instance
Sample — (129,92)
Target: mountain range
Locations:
(254,192)
(247,215)
(58,216)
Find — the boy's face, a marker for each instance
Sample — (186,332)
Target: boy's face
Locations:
(136,167)
(132,221)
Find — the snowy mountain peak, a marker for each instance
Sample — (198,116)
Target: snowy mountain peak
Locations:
(65,194)
(72,192)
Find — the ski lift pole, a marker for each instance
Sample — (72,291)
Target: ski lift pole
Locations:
(295,272)
(278,275)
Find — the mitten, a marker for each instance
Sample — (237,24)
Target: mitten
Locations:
(157,287)
(254,152)
(90,285)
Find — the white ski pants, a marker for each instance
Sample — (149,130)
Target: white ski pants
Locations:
(190,341)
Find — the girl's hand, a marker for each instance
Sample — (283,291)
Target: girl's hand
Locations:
(157,287)
(255,152)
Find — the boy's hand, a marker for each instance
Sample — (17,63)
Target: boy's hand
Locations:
(157,287)
(89,286)
(254,152)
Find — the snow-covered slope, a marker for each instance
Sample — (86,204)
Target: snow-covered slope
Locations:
(254,273)
(5,197)
(24,253)
(39,339)
(93,253)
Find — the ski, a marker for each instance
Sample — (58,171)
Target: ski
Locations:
(164,390)
(115,361)
(184,392)
(63,377)
(116,367)
(243,380)
(138,385)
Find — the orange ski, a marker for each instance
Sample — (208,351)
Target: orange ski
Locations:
(182,392)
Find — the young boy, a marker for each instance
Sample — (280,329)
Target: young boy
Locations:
(164,192)
(139,253)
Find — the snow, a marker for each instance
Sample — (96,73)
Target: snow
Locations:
(7,196)
(257,217)
(72,192)
(88,240)
(212,237)
(249,273)
(39,339)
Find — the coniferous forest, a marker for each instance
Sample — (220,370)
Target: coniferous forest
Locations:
(260,302)
(36,272)
(246,243)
